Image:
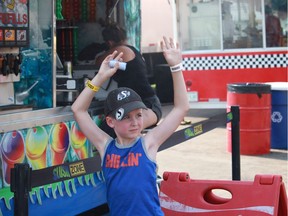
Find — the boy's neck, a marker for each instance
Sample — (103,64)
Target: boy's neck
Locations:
(125,142)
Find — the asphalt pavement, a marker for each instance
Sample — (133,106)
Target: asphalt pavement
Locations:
(205,157)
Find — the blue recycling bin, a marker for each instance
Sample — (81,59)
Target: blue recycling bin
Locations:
(279,115)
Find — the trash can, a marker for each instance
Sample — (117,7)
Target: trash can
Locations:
(279,115)
(254,101)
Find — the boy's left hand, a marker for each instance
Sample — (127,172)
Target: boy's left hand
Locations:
(171,51)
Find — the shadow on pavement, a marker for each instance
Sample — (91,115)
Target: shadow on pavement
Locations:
(276,154)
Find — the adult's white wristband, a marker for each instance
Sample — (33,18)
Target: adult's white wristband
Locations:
(176,68)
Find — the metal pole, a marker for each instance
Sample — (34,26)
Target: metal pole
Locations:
(235,136)
(21,185)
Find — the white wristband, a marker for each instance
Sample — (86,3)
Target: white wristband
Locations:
(176,68)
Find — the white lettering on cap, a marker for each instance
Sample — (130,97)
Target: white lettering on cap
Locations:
(119,114)
(123,94)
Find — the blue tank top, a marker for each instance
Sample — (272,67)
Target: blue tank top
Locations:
(131,180)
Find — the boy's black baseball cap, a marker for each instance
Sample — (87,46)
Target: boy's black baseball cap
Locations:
(121,101)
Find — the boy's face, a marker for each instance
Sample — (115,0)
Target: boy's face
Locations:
(130,126)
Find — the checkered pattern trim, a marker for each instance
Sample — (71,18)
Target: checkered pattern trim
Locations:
(245,61)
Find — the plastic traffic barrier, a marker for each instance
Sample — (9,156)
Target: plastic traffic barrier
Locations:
(180,195)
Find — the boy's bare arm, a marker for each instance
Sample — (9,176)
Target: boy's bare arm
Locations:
(80,107)
(166,128)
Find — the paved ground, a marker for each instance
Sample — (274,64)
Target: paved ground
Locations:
(205,157)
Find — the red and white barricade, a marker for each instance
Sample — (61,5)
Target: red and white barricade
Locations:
(180,195)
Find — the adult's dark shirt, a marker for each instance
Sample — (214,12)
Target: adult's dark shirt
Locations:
(135,76)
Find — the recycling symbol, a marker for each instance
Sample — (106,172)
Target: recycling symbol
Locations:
(276,117)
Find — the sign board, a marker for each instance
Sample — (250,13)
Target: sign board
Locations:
(14,23)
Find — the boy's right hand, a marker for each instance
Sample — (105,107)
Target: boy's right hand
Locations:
(105,71)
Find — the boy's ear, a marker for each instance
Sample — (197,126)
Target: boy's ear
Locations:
(109,121)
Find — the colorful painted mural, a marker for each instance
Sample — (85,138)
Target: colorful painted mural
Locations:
(46,146)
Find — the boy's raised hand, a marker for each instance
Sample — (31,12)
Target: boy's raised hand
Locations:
(105,70)
(171,52)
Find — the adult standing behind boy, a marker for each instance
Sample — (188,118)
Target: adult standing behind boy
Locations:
(129,161)
(135,75)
